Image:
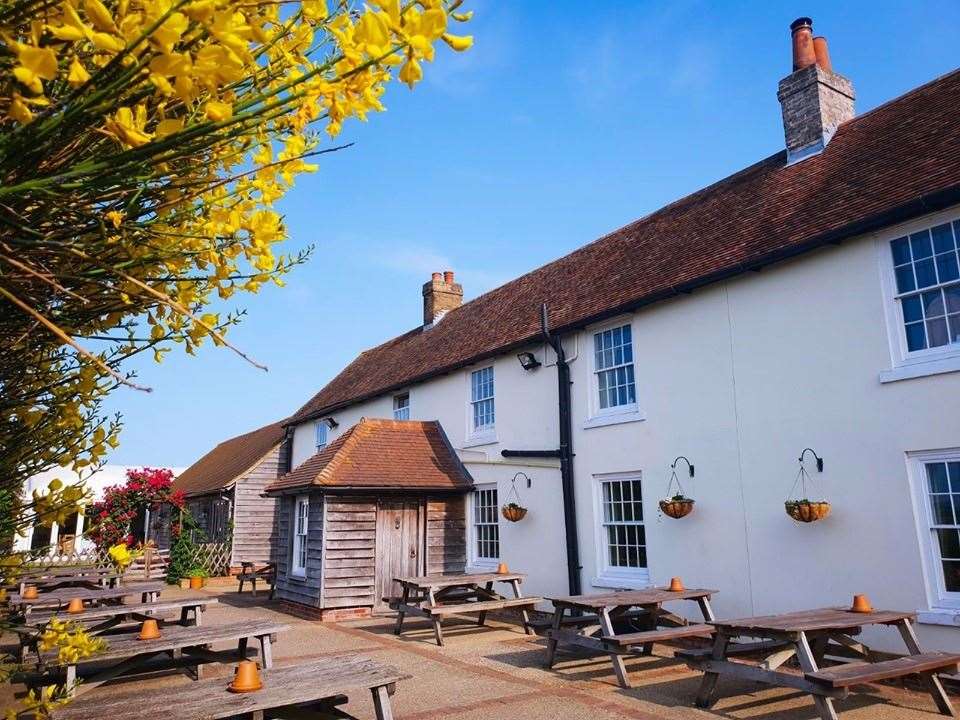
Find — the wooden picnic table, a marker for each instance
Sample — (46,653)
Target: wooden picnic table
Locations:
(126,653)
(94,579)
(642,609)
(433,596)
(303,688)
(148,592)
(809,635)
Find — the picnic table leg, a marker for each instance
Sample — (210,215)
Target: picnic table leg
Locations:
(242,648)
(515,584)
(482,615)
(934,686)
(266,651)
(706,609)
(437,630)
(381,703)
(809,664)
(618,667)
(709,682)
(71,680)
(404,599)
(198,615)
(552,640)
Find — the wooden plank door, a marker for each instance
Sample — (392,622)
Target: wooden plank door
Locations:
(399,550)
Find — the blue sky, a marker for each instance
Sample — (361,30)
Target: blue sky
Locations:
(565,121)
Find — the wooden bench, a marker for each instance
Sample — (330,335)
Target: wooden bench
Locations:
(108,615)
(483,606)
(843,676)
(647,637)
(249,573)
(288,692)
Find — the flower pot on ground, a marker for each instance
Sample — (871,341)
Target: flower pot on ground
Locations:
(513,512)
(807,511)
(677,507)
(197,576)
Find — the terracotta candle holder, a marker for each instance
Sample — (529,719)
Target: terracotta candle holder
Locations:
(75,606)
(676,585)
(246,678)
(149,630)
(502,568)
(30,592)
(861,604)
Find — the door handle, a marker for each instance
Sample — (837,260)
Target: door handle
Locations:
(396,524)
(413,552)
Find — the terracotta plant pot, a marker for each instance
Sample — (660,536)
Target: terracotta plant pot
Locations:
(149,630)
(502,569)
(676,507)
(861,604)
(30,592)
(514,512)
(75,606)
(676,585)
(196,582)
(246,679)
(807,510)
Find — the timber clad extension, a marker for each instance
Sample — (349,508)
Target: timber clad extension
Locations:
(385,499)
(224,491)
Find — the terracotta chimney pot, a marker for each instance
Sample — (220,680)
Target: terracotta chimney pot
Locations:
(448,276)
(822,53)
(804,55)
(436,277)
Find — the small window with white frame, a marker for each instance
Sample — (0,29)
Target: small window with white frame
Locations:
(485,527)
(321,434)
(401,406)
(613,369)
(937,483)
(622,542)
(481,400)
(301,520)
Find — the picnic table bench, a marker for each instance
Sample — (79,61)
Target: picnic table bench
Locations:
(309,689)
(639,609)
(148,592)
(249,572)
(126,653)
(50,579)
(809,635)
(434,596)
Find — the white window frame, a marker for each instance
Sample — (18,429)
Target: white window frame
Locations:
(401,412)
(938,598)
(321,436)
(614,576)
(483,434)
(301,536)
(631,412)
(904,363)
(475,561)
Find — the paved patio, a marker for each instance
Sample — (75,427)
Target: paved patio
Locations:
(497,672)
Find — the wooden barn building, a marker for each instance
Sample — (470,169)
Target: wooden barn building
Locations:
(225,493)
(386,498)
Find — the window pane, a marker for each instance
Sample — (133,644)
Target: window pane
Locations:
(953,470)
(905,282)
(954,321)
(942,238)
(951,575)
(932,304)
(937,478)
(942,510)
(949,541)
(926,274)
(952,295)
(920,245)
(916,337)
(912,308)
(937,332)
(901,251)
(947,269)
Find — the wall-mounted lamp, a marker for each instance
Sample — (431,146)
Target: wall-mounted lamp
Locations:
(528,360)
(331,423)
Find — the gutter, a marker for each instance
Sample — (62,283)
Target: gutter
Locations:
(921,205)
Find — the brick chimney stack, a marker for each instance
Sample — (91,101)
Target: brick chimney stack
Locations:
(440,296)
(815,100)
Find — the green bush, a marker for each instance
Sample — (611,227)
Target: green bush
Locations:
(183,551)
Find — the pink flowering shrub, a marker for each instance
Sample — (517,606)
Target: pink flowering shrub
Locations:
(112,516)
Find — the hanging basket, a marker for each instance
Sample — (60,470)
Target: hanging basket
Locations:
(677,507)
(514,512)
(807,511)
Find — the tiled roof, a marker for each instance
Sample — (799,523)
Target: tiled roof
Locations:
(898,161)
(389,454)
(221,466)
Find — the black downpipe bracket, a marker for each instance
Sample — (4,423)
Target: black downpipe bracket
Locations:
(566,455)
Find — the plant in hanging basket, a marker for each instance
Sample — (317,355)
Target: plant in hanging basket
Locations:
(807,510)
(513,512)
(677,506)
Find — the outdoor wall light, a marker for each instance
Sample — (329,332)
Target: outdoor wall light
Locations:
(528,360)
(331,423)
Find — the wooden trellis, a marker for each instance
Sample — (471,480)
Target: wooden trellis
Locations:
(213,557)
